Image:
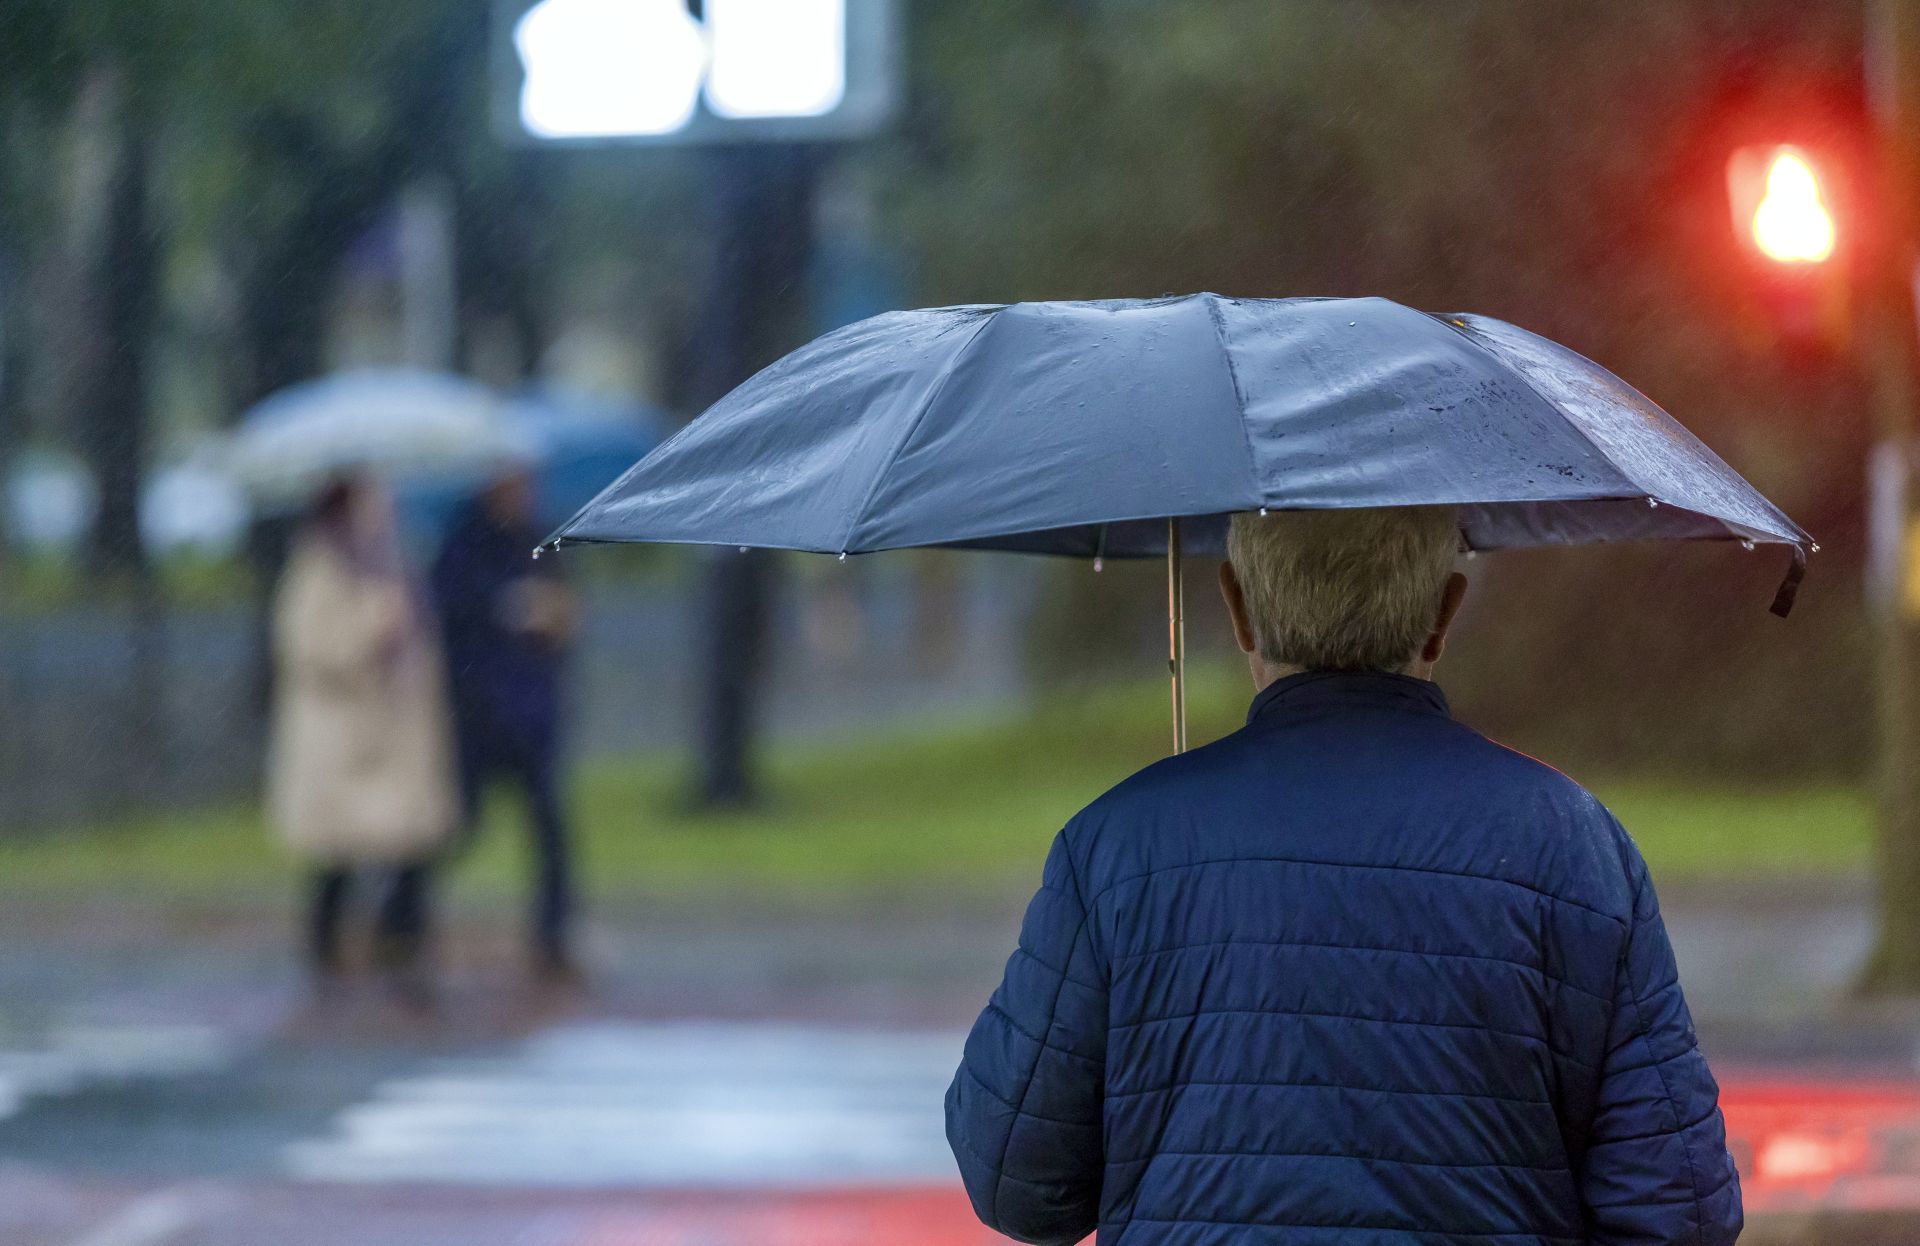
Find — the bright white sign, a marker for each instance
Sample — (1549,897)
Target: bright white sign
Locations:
(777,58)
(596,68)
(601,69)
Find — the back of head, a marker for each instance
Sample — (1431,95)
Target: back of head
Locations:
(1344,590)
(332,507)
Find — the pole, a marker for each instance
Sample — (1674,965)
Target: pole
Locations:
(1893,60)
(424,237)
(1176,636)
(763,224)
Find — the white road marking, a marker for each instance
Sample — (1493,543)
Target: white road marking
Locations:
(74,1056)
(151,1220)
(658,1105)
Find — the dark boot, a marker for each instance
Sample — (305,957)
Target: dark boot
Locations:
(332,888)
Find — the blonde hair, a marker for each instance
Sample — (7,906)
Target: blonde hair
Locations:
(1344,590)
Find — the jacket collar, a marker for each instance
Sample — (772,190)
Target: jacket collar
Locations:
(1324,690)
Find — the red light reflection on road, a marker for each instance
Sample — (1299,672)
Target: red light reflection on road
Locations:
(1829,1145)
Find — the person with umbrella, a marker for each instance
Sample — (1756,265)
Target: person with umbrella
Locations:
(1354,970)
(360,770)
(508,622)
(1354,973)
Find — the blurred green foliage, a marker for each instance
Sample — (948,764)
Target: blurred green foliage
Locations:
(1558,166)
(46,582)
(959,809)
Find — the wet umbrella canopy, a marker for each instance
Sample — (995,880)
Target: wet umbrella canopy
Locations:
(1084,428)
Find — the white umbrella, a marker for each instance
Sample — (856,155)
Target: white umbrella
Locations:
(403,425)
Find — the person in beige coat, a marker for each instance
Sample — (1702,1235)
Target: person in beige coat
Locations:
(360,772)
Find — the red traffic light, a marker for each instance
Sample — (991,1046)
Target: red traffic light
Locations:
(1782,206)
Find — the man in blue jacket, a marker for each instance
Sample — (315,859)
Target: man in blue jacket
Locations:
(1353,974)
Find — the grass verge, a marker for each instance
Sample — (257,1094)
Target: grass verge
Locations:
(953,806)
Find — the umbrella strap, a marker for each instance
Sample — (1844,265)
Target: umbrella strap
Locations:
(1790,583)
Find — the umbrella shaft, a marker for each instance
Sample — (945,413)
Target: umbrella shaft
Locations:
(1176,637)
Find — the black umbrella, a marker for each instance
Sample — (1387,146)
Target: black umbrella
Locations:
(1130,428)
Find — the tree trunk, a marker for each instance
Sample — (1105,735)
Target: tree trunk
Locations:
(502,253)
(13,360)
(112,392)
(121,263)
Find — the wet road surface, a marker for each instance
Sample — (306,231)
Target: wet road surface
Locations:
(731,1077)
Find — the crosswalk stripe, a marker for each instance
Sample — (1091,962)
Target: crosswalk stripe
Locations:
(152,1220)
(69,1057)
(657,1105)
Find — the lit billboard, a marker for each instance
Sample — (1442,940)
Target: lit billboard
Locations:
(693,71)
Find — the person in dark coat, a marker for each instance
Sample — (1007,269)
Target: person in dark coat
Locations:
(508,622)
(1353,974)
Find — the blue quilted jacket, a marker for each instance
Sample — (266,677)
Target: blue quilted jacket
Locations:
(1353,974)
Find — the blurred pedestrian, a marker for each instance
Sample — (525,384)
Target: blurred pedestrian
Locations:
(509,623)
(1352,974)
(361,774)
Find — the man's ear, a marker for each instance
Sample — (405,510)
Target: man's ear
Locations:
(1236,600)
(1450,598)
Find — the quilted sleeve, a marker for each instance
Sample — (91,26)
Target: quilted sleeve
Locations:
(1656,1169)
(1024,1111)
